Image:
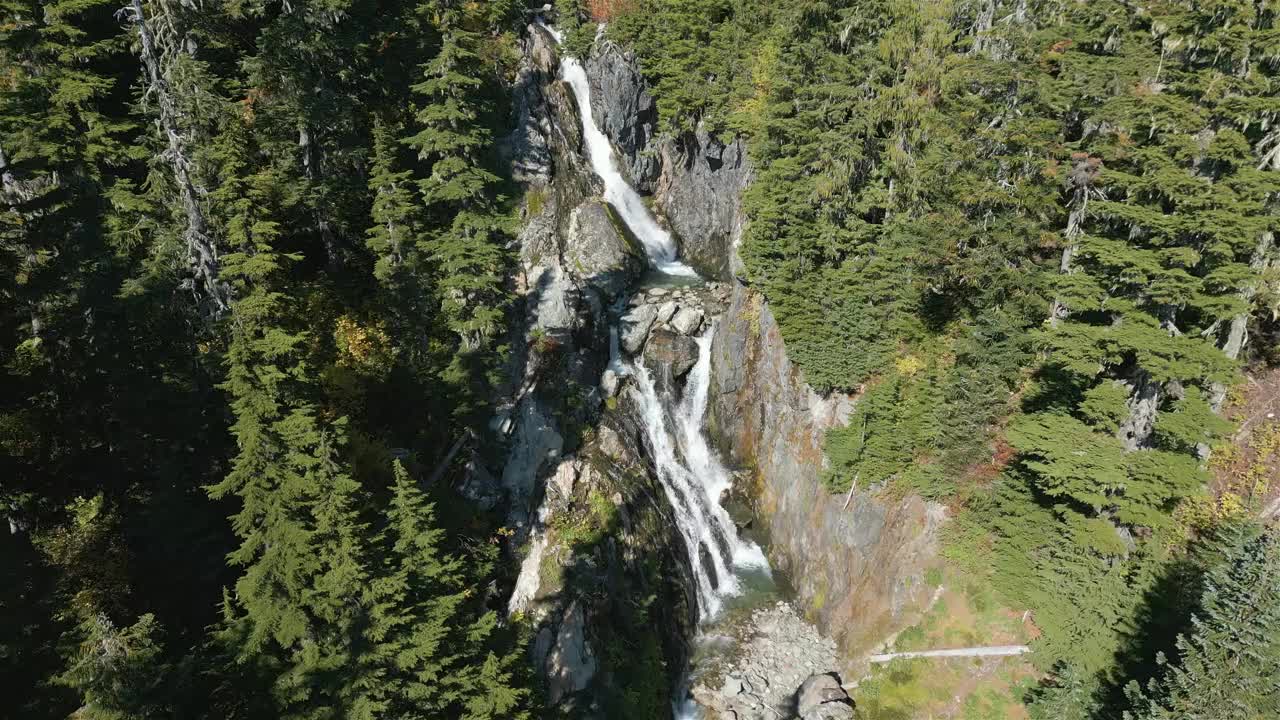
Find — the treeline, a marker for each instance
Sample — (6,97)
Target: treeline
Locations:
(252,300)
(1039,238)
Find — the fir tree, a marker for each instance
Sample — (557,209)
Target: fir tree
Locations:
(434,636)
(463,242)
(1229,663)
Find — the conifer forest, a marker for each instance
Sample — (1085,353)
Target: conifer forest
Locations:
(305,307)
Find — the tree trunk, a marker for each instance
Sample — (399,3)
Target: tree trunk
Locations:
(1144,402)
(202,252)
(1084,171)
(1238,334)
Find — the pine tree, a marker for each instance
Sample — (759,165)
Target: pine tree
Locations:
(1229,663)
(434,637)
(303,545)
(463,242)
(120,673)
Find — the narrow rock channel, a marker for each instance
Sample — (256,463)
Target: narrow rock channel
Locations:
(773,663)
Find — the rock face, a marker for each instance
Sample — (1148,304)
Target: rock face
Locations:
(624,110)
(570,663)
(858,570)
(696,179)
(700,196)
(597,251)
(590,523)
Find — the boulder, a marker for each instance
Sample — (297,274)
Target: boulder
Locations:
(820,697)
(688,321)
(596,251)
(570,664)
(634,327)
(669,355)
(666,310)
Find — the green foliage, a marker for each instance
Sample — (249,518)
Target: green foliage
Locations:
(1229,660)
(120,672)
(126,393)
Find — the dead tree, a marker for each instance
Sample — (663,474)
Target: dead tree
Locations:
(160,46)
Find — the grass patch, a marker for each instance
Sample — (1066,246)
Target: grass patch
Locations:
(966,614)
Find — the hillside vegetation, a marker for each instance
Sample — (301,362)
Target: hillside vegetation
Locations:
(1039,239)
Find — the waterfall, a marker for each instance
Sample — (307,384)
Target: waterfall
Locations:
(691,474)
(658,244)
(694,479)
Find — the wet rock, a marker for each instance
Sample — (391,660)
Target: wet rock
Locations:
(537,442)
(820,697)
(670,355)
(634,327)
(528,147)
(625,111)
(688,321)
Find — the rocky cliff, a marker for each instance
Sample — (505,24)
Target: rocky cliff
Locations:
(856,562)
(602,586)
(696,178)
(601,565)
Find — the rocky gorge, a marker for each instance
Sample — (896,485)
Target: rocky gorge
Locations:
(626,582)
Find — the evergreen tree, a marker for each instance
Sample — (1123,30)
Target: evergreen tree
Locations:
(302,543)
(463,242)
(433,634)
(120,673)
(1229,663)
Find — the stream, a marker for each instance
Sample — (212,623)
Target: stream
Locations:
(732,575)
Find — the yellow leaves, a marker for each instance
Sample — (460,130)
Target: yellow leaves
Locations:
(1201,513)
(363,348)
(908,365)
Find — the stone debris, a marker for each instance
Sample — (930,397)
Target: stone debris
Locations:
(781,668)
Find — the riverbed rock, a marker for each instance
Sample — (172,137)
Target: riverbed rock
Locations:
(765,669)
(666,311)
(633,328)
(669,355)
(687,321)
(820,697)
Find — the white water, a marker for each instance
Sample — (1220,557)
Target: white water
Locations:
(658,244)
(694,480)
(691,474)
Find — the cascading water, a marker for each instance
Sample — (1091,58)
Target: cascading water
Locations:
(690,473)
(694,480)
(658,244)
